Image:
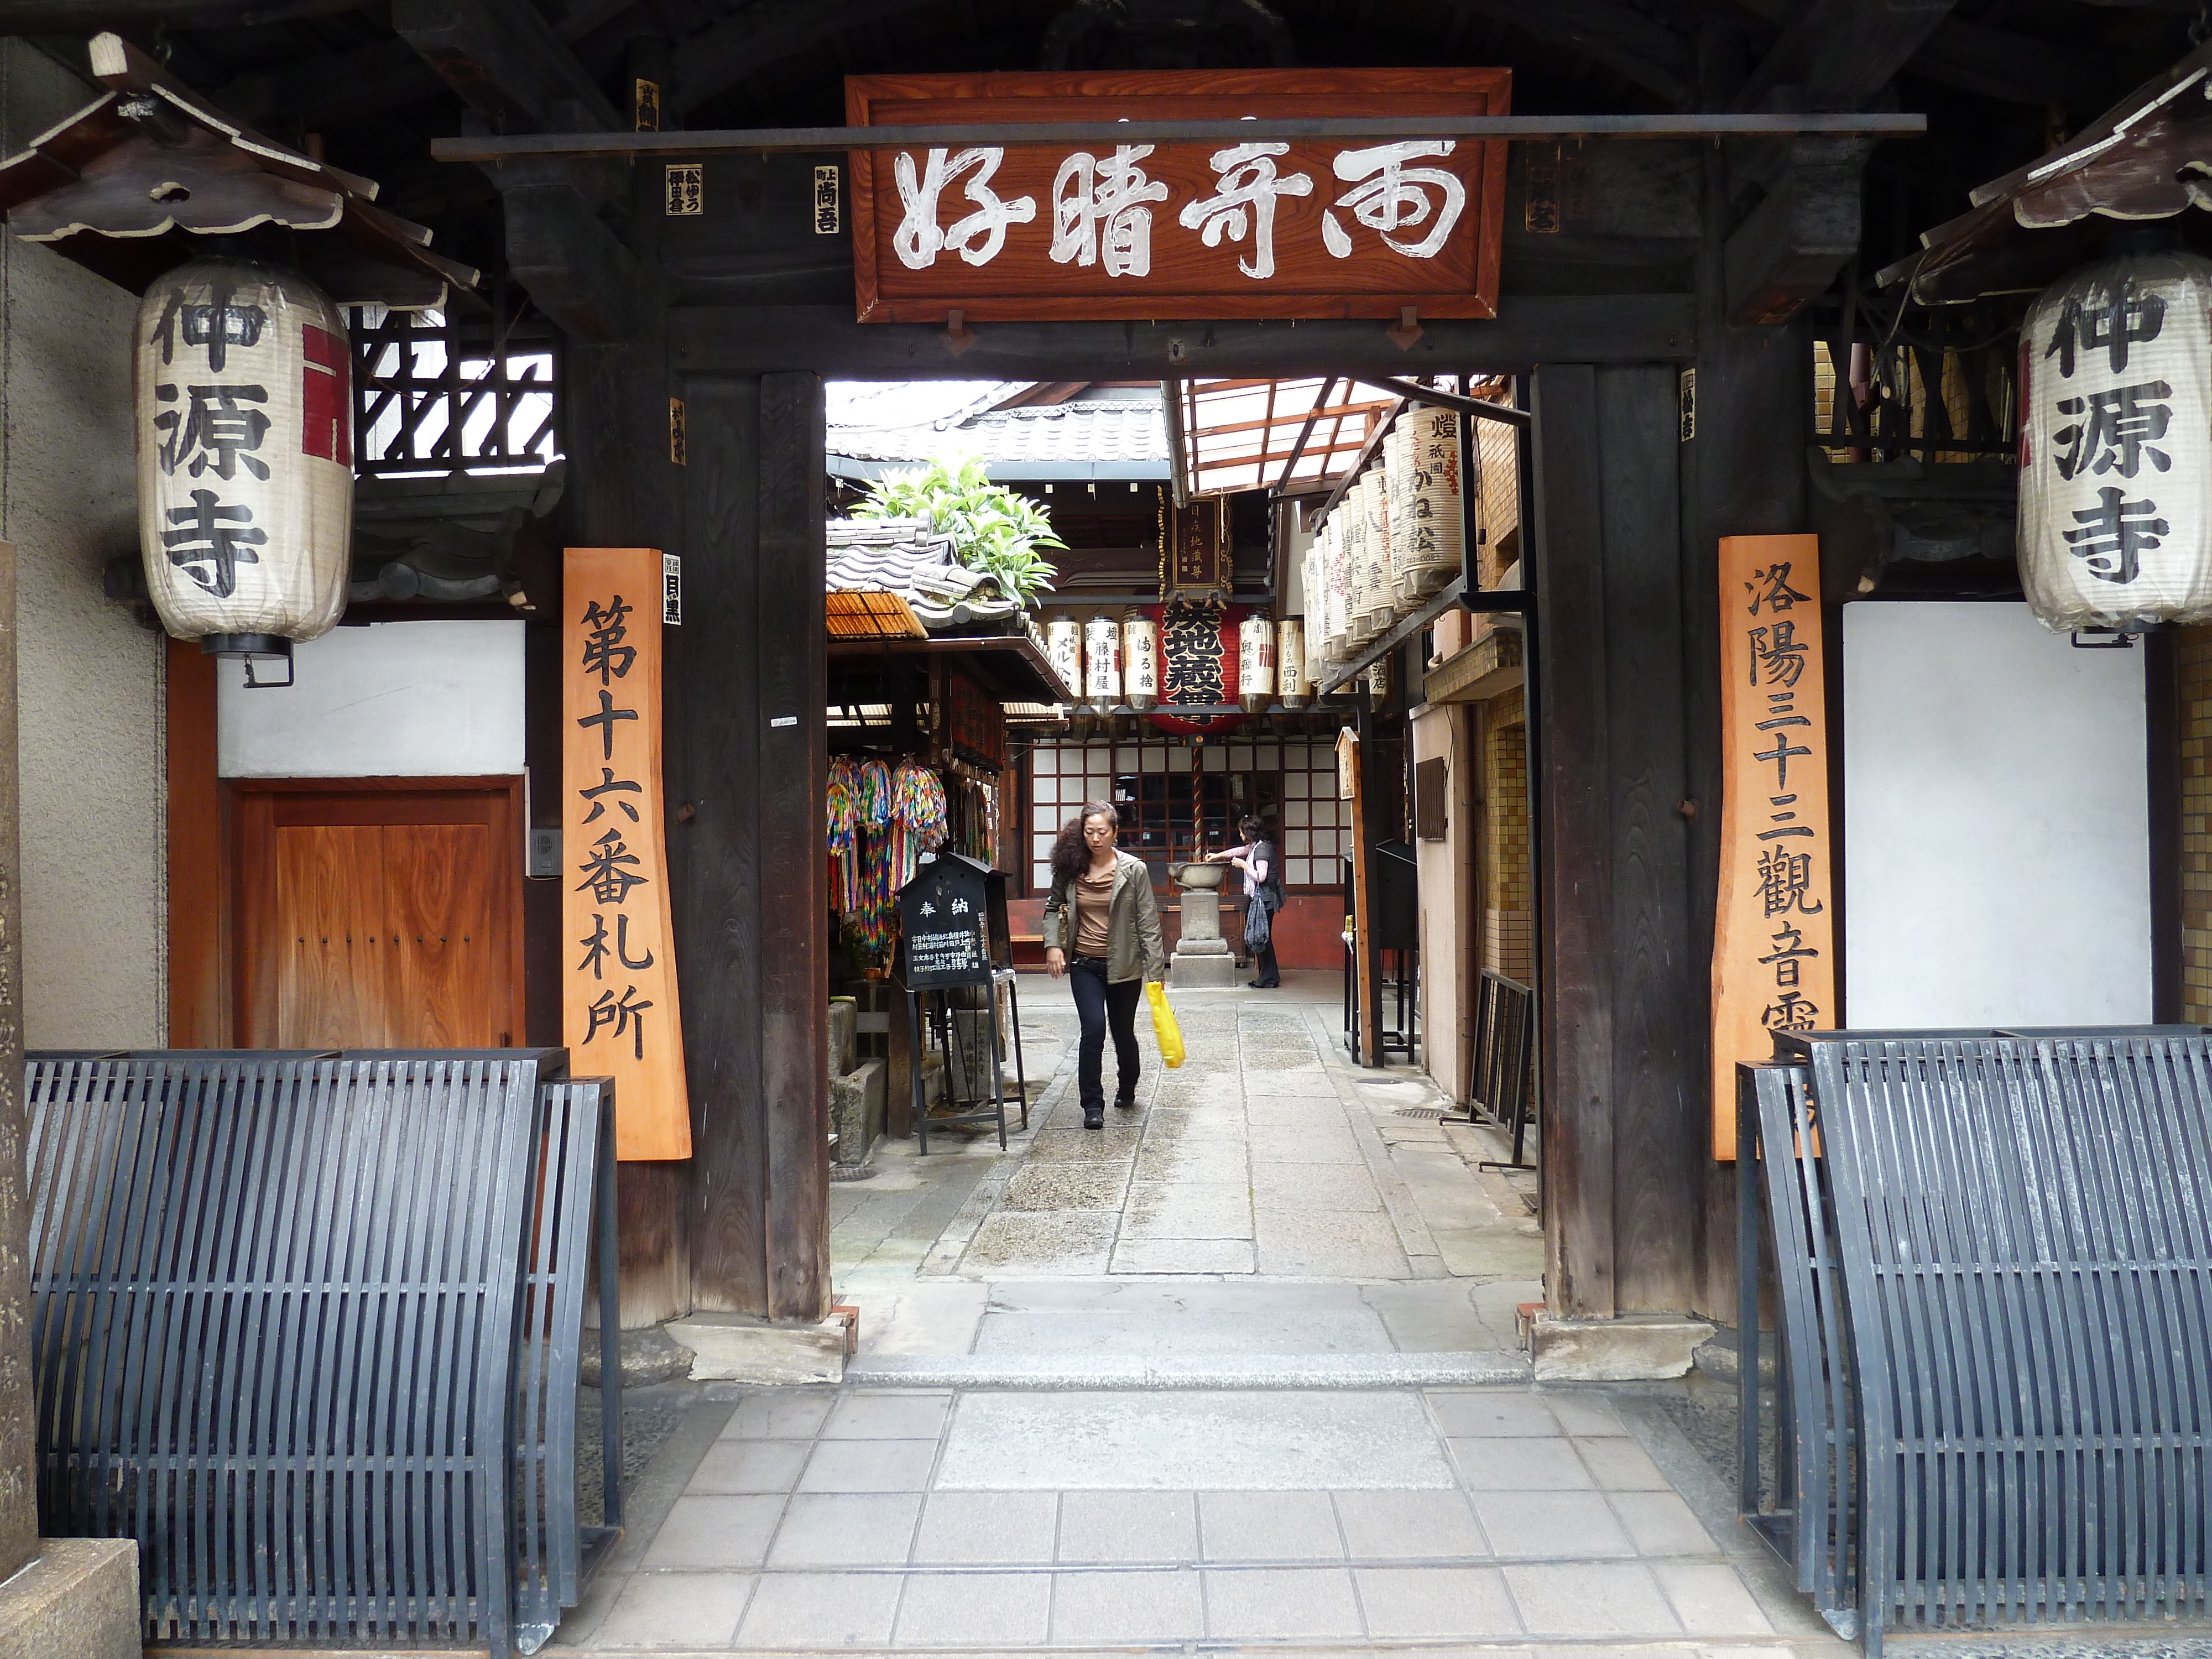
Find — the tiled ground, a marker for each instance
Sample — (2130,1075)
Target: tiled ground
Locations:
(1265,1156)
(873,1519)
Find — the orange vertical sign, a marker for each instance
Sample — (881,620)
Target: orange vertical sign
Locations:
(1774,956)
(619,1011)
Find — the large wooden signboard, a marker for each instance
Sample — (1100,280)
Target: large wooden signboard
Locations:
(1334,228)
(619,1012)
(1774,940)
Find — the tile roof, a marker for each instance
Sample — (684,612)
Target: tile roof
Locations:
(904,556)
(1111,433)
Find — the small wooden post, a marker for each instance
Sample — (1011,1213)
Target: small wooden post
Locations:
(1363,951)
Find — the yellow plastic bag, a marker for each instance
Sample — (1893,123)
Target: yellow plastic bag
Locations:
(1164,1025)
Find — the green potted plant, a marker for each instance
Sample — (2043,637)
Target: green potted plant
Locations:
(995,531)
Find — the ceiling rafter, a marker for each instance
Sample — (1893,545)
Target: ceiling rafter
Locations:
(1630,43)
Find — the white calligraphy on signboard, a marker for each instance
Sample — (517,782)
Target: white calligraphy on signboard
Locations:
(976,238)
(1102,206)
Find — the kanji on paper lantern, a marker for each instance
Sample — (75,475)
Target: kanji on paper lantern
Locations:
(1102,664)
(1140,661)
(1255,663)
(244,419)
(2115,469)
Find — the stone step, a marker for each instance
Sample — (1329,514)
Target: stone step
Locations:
(1188,1370)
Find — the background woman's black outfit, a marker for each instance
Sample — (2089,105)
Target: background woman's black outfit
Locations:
(1269,893)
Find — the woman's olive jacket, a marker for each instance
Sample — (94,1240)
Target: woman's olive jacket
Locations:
(1135,946)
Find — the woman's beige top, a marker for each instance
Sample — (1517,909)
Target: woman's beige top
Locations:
(1094,898)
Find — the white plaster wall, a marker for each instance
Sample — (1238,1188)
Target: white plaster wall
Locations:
(89,678)
(1996,862)
(394,699)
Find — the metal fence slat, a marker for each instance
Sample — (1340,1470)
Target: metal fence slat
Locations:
(301,1325)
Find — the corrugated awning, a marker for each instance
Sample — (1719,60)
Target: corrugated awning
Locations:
(1300,434)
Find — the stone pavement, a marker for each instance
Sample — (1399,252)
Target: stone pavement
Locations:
(1265,1157)
(1510,1521)
(1182,1383)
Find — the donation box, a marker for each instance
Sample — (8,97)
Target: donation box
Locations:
(952,924)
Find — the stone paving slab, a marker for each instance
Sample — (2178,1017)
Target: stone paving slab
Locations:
(1045,1523)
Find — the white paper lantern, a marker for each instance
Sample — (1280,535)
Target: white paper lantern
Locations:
(1397,470)
(245,417)
(1064,647)
(1290,663)
(2116,472)
(1375,553)
(1102,664)
(1255,664)
(1427,525)
(1140,661)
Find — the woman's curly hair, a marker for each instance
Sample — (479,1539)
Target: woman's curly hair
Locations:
(1071,854)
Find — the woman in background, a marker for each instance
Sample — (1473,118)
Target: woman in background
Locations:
(1102,928)
(1257,859)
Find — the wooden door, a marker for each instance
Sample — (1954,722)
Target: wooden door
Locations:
(379,913)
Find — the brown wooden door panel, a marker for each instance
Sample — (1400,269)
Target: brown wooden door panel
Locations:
(379,913)
(329,910)
(440,879)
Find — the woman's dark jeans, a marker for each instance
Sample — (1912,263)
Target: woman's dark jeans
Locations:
(1099,1004)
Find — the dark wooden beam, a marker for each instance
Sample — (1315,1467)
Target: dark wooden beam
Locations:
(1795,241)
(1574,839)
(1600,328)
(504,59)
(1631,44)
(338,87)
(2020,68)
(749,932)
(89,16)
(1842,53)
(720,56)
(575,268)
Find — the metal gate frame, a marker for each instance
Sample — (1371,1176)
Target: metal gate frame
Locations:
(2012,1394)
(307,1328)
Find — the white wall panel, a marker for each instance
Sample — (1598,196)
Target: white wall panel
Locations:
(412,699)
(1997,819)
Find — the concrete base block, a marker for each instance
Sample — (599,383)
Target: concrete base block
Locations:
(79,1600)
(1635,1348)
(648,1357)
(1195,973)
(734,1348)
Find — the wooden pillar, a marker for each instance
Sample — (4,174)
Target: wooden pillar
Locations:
(622,487)
(1743,473)
(1620,1078)
(751,904)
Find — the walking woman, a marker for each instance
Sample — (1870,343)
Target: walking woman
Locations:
(1102,927)
(1263,887)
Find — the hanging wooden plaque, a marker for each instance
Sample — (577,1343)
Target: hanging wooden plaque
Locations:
(1774,950)
(619,1012)
(1322,228)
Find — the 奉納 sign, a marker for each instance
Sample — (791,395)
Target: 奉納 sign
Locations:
(619,1012)
(1311,228)
(1774,956)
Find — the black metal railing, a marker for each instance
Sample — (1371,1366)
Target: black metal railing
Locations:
(1504,1082)
(308,1328)
(1941,387)
(1994,1261)
(433,397)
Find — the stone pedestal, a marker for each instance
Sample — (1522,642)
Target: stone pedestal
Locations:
(1202,957)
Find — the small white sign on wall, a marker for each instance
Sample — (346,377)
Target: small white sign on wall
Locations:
(407,699)
(1996,822)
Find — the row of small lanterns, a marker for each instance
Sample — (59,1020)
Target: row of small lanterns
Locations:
(1392,541)
(1114,662)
